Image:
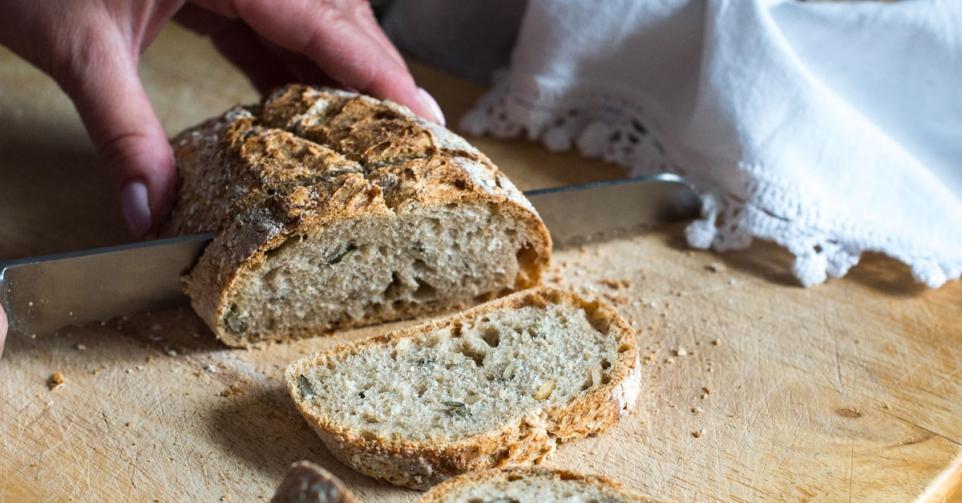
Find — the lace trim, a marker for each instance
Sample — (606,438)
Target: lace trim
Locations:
(736,198)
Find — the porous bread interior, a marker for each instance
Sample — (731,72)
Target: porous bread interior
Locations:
(464,378)
(528,488)
(364,268)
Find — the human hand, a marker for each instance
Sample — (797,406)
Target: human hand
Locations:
(91,48)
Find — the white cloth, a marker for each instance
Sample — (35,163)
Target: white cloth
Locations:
(831,128)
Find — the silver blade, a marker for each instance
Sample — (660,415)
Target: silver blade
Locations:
(44,294)
(577,213)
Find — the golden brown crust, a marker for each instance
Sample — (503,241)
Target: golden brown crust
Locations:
(307,157)
(528,440)
(439,493)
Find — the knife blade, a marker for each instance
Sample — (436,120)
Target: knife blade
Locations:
(44,294)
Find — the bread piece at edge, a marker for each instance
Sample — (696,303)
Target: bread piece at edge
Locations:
(528,439)
(306,482)
(444,492)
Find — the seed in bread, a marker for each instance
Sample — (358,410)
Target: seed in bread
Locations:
(500,384)
(531,485)
(334,210)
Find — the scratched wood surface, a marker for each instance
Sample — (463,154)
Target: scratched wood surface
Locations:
(847,391)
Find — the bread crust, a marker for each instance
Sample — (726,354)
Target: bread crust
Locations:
(438,493)
(308,157)
(306,482)
(529,439)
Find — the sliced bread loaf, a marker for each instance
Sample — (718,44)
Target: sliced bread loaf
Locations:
(334,210)
(531,485)
(497,385)
(306,482)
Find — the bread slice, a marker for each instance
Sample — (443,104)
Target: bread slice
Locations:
(334,210)
(531,485)
(306,482)
(497,385)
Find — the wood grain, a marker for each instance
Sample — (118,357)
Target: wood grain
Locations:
(850,391)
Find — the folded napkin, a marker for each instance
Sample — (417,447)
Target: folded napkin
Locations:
(831,128)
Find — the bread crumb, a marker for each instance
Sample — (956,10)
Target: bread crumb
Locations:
(545,390)
(56,380)
(716,342)
(669,360)
(81,347)
(705,391)
(697,410)
(716,267)
(681,351)
(210,369)
(616,284)
(698,433)
(171,352)
(232,390)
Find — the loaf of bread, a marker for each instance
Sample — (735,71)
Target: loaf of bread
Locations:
(531,485)
(500,384)
(334,210)
(306,482)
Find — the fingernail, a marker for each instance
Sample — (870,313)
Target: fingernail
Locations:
(432,104)
(135,207)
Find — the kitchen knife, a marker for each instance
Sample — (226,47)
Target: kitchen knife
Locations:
(44,294)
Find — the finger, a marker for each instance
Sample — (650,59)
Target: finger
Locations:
(364,17)
(244,50)
(302,68)
(330,36)
(201,21)
(102,80)
(239,45)
(3,329)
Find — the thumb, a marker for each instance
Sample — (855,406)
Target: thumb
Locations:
(114,107)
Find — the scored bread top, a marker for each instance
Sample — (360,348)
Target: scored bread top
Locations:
(306,151)
(531,484)
(306,157)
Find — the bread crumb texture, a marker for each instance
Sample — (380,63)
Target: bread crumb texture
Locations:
(499,384)
(534,485)
(335,210)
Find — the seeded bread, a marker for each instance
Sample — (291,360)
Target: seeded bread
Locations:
(500,384)
(531,485)
(306,482)
(334,210)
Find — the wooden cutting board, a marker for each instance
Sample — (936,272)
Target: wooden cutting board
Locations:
(754,389)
